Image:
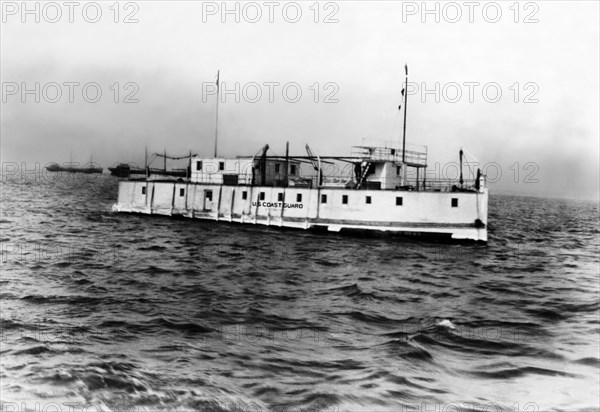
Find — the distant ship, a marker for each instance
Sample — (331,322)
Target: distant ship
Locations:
(380,187)
(125,170)
(55,167)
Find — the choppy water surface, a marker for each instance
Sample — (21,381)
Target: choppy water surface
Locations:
(128,312)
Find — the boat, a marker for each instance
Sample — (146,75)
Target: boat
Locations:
(375,193)
(125,170)
(72,168)
(55,167)
(378,187)
(135,172)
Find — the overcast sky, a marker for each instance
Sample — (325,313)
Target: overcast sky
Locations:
(541,133)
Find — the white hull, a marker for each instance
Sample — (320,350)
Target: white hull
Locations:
(458,215)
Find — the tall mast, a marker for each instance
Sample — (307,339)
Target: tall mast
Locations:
(460,156)
(405,102)
(287,164)
(188,170)
(217,116)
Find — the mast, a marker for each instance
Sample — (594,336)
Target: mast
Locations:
(287,164)
(188,171)
(217,116)
(405,102)
(460,156)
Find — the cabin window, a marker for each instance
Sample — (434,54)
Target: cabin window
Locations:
(277,168)
(143,190)
(398,201)
(244,195)
(198,165)
(181,192)
(368,200)
(261,196)
(221,165)
(345,199)
(393,152)
(398,170)
(323,198)
(293,169)
(299,197)
(454,202)
(209,195)
(280,197)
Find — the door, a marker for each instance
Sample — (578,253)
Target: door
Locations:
(208,197)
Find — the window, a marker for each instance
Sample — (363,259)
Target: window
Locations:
(198,165)
(299,197)
(244,195)
(393,152)
(345,199)
(221,165)
(181,192)
(143,190)
(208,195)
(398,201)
(261,196)
(280,197)
(398,170)
(454,202)
(323,198)
(368,200)
(293,169)
(277,168)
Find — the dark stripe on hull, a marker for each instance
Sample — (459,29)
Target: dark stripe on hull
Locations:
(337,222)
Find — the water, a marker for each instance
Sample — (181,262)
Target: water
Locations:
(123,312)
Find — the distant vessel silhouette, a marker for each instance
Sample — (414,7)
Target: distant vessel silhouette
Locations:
(71,168)
(55,167)
(125,170)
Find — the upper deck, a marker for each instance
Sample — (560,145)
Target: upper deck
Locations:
(373,166)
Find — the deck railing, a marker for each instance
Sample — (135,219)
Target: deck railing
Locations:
(447,185)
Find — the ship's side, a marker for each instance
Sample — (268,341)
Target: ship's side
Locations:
(460,215)
(250,191)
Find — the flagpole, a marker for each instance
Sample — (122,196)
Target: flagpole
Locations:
(217,116)
(405,104)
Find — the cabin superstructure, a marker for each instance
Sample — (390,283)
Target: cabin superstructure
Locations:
(372,167)
(374,189)
(244,171)
(382,167)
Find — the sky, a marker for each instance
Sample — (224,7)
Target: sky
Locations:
(515,84)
